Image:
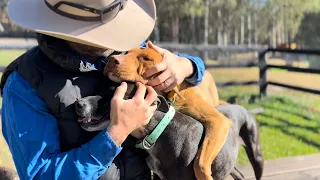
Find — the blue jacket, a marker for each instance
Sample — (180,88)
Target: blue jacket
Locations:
(33,136)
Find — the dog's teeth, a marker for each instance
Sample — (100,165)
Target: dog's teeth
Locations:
(89,120)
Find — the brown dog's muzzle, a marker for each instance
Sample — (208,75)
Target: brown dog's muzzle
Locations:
(131,66)
(123,68)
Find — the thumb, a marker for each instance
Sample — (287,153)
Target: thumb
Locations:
(120,91)
(156,48)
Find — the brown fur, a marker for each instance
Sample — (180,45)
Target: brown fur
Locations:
(195,101)
(8,174)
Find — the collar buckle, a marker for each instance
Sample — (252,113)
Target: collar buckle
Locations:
(145,144)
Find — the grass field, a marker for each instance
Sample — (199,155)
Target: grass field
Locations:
(289,126)
(5,156)
(9,55)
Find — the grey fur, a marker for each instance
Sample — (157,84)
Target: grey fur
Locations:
(172,156)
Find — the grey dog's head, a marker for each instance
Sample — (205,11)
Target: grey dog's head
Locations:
(94,111)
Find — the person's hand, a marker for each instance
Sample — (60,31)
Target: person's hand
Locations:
(128,115)
(174,70)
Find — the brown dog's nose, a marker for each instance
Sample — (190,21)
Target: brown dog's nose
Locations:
(115,59)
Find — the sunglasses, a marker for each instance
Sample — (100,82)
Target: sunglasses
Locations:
(105,14)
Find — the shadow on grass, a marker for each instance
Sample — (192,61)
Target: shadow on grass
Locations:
(285,131)
(286,124)
(267,106)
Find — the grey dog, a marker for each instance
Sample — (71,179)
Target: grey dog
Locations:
(172,155)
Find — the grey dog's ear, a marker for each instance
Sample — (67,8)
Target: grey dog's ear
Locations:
(162,104)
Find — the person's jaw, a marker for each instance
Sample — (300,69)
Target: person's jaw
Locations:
(90,52)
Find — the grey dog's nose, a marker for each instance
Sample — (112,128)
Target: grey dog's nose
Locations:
(80,104)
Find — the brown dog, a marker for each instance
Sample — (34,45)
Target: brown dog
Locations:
(195,101)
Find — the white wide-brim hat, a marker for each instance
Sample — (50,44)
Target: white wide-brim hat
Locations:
(128,29)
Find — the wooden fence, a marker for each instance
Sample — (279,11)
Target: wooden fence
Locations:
(263,69)
(262,63)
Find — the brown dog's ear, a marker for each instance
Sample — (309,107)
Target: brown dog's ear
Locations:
(173,93)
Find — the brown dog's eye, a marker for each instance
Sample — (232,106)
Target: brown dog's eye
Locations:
(145,58)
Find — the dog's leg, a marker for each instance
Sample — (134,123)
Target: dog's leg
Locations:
(236,174)
(216,126)
(250,135)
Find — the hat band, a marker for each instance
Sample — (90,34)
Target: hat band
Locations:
(105,14)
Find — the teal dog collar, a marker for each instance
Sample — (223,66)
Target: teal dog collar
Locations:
(149,141)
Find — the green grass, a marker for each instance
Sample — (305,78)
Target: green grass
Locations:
(5,156)
(289,126)
(8,56)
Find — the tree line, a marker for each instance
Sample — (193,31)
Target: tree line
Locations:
(225,22)
(235,22)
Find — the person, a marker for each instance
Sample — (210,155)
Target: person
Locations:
(39,88)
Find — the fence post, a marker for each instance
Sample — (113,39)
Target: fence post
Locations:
(204,54)
(263,83)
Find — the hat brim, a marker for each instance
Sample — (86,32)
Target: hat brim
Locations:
(127,30)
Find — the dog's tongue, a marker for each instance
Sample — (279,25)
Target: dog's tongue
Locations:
(84,119)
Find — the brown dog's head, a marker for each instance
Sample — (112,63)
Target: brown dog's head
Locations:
(131,66)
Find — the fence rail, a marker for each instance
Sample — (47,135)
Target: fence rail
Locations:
(237,83)
(263,82)
(294,51)
(264,67)
(262,64)
(295,69)
(314,91)
(234,65)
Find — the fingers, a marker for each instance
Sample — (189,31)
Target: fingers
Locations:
(156,48)
(160,79)
(141,91)
(151,111)
(170,87)
(164,85)
(151,97)
(120,91)
(162,66)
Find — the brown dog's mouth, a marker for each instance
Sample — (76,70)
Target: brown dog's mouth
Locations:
(116,79)
(112,77)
